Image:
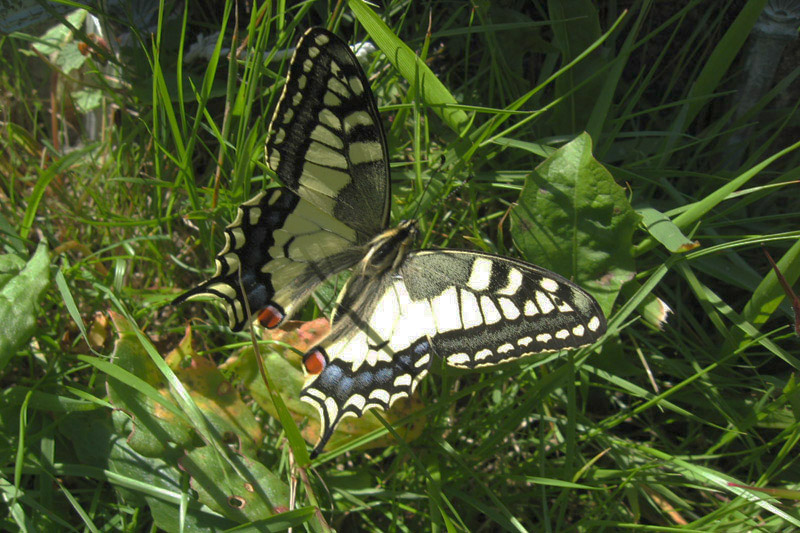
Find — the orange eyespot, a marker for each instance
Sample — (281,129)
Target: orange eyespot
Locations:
(314,361)
(270,317)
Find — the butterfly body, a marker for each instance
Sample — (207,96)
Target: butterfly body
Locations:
(400,309)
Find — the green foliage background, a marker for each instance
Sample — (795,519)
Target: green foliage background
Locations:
(620,148)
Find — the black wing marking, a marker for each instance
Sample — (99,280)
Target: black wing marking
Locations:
(339,391)
(472,309)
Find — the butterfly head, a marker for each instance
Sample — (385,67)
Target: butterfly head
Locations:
(387,250)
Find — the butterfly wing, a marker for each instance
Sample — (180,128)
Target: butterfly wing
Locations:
(277,250)
(327,146)
(471,309)
(327,143)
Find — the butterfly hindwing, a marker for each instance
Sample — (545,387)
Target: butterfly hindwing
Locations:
(470,309)
(278,249)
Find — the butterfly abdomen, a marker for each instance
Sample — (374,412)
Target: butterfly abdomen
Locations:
(387,250)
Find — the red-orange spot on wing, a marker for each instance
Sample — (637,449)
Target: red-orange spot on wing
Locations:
(314,361)
(270,317)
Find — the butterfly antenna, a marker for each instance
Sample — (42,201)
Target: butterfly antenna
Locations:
(446,183)
(452,187)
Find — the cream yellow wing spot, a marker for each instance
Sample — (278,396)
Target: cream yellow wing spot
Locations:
(530,308)
(509,308)
(550,285)
(330,99)
(365,152)
(513,284)
(490,313)
(480,275)
(380,395)
(504,348)
(470,310)
(544,303)
(403,380)
(483,354)
(445,311)
(457,359)
(357,401)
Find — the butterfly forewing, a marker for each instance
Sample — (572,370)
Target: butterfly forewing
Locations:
(490,309)
(327,143)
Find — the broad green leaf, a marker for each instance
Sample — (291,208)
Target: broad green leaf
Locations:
(199,519)
(70,57)
(54,39)
(87,101)
(139,480)
(165,516)
(241,489)
(574,219)
(10,266)
(152,427)
(97,443)
(215,396)
(22,289)
(142,394)
(43,401)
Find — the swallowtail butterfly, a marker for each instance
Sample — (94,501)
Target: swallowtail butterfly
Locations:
(400,309)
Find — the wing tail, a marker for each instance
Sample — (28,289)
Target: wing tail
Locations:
(341,390)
